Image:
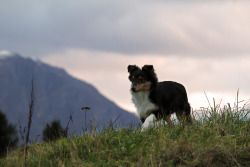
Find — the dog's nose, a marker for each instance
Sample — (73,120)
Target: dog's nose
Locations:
(133,89)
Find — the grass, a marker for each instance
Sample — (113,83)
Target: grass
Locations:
(220,138)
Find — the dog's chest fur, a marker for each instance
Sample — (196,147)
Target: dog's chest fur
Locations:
(142,103)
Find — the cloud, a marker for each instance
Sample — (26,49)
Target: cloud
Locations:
(194,28)
(219,78)
(203,44)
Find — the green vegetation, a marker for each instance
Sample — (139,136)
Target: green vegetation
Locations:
(219,138)
(8,135)
(53,131)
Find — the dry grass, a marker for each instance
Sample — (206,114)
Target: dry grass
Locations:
(220,138)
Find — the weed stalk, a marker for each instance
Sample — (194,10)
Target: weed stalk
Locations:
(31,110)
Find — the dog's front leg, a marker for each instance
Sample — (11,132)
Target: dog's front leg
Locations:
(149,120)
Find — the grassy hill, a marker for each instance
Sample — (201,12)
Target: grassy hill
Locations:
(219,138)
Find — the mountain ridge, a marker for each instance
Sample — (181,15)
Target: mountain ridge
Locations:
(57,94)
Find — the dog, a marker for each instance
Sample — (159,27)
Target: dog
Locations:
(155,100)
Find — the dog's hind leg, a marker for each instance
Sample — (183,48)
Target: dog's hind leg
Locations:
(183,117)
(180,116)
(168,120)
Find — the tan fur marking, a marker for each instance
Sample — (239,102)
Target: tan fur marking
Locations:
(143,86)
(152,110)
(169,121)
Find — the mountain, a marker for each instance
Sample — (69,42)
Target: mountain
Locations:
(56,95)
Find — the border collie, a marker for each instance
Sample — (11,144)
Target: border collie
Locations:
(157,100)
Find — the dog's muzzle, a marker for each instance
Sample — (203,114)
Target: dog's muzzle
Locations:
(133,88)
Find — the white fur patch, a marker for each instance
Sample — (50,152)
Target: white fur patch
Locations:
(142,103)
(148,122)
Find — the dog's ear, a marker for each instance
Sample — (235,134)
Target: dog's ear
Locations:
(148,67)
(132,68)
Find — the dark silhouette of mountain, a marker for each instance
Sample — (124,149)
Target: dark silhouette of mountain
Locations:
(57,94)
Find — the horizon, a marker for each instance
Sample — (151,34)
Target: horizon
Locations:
(205,103)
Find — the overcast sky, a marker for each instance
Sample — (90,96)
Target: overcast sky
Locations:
(205,45)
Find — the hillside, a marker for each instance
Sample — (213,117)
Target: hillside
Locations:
(217,139)
(56,95)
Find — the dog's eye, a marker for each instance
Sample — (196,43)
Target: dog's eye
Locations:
(141,79)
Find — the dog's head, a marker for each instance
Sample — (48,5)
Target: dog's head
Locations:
(142,79)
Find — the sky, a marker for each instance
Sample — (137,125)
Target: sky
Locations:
(205,45)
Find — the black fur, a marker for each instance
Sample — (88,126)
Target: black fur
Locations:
(169,96)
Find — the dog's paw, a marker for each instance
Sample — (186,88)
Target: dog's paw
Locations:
(149,122)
